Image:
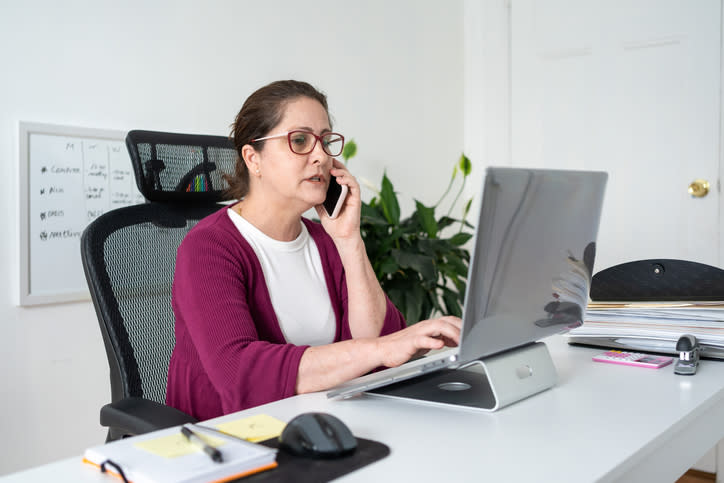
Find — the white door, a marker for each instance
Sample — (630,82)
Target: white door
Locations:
(631,87)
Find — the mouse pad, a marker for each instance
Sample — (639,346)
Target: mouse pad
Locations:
(297,468)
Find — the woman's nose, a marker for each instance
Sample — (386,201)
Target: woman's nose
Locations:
(319,156)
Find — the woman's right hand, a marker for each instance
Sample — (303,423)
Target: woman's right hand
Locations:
(399,347)
(323,367)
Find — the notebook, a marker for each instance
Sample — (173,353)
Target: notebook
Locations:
(167,456)
(530,271)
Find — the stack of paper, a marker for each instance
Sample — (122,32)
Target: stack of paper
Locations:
(654,325)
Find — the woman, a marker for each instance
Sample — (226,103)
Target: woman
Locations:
(269,304)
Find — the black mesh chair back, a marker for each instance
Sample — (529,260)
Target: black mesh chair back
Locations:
(129,259)
(180,167)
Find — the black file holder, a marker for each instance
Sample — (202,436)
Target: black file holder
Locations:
(657,280)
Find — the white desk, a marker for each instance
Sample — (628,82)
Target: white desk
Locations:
(602,422)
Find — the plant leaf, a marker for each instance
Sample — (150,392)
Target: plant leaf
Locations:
(445,221)
(349,150)
(452,302)
(467,207)
(457,264)
(420,263)
(460,285)
(414,303)
(429,247)
(372,217)
(465,165)
(389,265)
(388,199)
(397,296)
(426,216)
(460,238)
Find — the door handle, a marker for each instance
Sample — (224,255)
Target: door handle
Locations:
(699,188)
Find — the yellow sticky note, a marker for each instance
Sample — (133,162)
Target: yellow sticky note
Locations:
(174,445)
(255,428)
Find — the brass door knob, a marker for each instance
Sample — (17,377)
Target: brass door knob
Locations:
(699,188)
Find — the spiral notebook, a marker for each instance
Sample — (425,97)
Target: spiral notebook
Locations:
(167,456)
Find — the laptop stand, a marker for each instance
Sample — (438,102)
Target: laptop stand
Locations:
(486,384)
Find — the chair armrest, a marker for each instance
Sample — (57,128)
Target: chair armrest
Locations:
(135,415)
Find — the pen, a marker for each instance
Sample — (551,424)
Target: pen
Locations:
(194,438)
(221,433)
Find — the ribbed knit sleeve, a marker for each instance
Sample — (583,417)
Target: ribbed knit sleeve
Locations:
(394,320)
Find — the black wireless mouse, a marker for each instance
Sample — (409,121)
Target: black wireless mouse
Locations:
(317,435)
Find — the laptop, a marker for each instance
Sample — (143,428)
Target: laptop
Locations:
(530,271)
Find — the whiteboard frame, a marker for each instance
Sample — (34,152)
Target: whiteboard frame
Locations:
(26,129)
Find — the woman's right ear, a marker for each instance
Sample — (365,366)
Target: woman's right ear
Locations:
(249,156)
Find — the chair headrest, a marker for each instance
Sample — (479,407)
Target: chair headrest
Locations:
(180,167)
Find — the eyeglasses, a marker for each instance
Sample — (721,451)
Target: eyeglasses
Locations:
(304,142)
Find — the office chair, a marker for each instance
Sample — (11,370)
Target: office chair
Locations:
(129,257)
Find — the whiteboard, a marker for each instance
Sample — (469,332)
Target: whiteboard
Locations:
(69,176)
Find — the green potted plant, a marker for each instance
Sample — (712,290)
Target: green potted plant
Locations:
(421,260)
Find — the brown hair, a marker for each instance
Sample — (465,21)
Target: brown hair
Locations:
(262,111)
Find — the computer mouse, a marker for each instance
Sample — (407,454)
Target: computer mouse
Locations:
(317,435)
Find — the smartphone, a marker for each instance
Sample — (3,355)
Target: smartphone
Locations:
(336,193)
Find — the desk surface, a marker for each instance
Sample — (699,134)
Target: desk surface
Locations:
(602,422)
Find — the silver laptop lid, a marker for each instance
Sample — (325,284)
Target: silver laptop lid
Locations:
(535,243)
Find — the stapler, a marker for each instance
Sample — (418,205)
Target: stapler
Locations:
(688,348)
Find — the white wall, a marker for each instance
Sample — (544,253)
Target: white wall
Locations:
(393,72)
(486,105)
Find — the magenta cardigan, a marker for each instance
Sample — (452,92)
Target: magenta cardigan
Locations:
(230,353)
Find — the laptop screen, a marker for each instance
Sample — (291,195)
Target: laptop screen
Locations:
(534,249)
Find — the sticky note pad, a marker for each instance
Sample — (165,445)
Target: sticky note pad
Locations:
(174,445)
(255,428)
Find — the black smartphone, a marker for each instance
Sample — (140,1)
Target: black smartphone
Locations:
(336,193)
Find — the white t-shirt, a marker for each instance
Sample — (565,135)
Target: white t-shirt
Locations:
(295,279)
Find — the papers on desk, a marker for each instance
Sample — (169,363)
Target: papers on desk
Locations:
(654,325)
(167,456)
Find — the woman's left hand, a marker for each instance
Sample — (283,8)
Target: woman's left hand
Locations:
(346,227)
